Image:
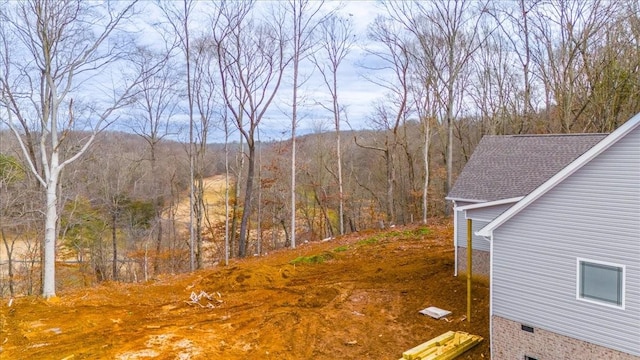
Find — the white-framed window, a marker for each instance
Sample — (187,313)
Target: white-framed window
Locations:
(600,282)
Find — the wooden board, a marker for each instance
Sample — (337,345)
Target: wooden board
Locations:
(447,346)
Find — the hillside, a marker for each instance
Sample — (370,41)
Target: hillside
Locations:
(354,297)
(213,199)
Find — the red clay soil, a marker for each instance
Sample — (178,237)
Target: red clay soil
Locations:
(361,302)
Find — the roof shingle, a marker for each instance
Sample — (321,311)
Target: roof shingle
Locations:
(509,166)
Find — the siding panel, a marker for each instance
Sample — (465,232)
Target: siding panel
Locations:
(481,217)
(593,214)
(488,213)
(478,242)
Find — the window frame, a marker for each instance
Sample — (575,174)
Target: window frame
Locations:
(620,306)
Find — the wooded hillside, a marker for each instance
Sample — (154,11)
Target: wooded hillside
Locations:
(108,115)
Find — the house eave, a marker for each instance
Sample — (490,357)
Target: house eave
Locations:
(490,203)
(454,199)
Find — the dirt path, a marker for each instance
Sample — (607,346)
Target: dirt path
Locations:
(361,302)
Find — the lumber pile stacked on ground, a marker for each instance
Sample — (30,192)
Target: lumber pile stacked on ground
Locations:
(444,347)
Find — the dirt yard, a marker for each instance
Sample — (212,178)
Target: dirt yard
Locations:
(355,297)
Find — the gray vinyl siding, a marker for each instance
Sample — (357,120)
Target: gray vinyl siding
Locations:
(478,243)
(593,214)
(460,226)
(488,213)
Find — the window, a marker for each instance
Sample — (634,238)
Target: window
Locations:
(601,282)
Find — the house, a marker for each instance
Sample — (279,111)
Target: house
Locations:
(565,260)
(501,170)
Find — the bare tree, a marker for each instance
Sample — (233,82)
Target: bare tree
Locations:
(424,99)
(179,19)
(509,16)
(337,40)
(61,49)
(205,96)
(115,176)
(448,36)
(612,69)
(225,124)
(393,55)
(564,31)
(317,166)
(252,60)
(153,109)
(424,89)
(496,90)
(305,16)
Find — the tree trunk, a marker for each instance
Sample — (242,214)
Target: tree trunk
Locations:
(50,236)
(294,118)
(199,213)
(259,215)
(234,219)
(525,67)
(425,186)
(449,145)
(286,233)
(242,242)
(156,259)
(9,260)
(390,179)
(340,187)
(114,219)
(325,215)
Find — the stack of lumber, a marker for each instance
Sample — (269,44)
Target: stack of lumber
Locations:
(444,347)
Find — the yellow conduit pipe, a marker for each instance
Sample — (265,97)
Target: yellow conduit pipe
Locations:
(469,268)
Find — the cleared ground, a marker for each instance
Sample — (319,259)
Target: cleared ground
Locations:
(355,297)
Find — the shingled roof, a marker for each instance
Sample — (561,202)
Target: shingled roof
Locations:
(509,166)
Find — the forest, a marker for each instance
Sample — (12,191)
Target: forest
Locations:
(130,133)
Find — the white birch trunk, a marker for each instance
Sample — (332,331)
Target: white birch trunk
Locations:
(293,173)
(425,188)
(340,188)
(50,233)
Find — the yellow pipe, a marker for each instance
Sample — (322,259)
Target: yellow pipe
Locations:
(469,268)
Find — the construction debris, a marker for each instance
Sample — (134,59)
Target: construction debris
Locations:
(196,298)
(435,312)
(444,347)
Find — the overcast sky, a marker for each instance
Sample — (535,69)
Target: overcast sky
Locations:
(356,94)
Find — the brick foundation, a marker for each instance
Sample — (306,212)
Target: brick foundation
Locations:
(509,342)
(481,261)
